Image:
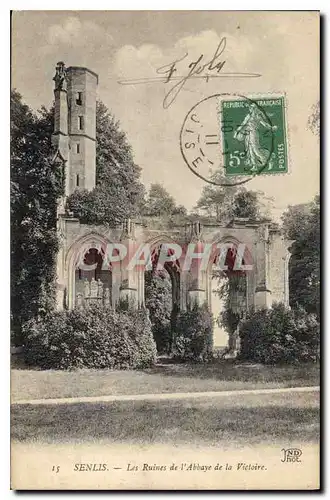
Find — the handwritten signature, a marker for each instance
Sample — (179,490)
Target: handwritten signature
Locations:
(200,68)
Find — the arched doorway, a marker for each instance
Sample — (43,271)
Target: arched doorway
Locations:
(93,282)
(228,295)
(162,299)
(86,275)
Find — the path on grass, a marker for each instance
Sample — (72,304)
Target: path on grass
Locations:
(162,396)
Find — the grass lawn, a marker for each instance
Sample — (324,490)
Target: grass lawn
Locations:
(163,378)
(238,420)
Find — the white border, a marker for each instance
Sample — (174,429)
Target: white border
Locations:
(323,5)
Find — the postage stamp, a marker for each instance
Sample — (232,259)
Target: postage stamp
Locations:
(254,136)
(241,136)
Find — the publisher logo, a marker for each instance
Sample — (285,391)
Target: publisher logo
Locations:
(291,455)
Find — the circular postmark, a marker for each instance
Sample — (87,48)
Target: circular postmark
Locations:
(228,139)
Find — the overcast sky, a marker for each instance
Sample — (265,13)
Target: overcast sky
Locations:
(282,47)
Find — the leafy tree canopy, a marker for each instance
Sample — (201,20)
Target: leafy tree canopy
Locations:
(118,193)
(302,224)
(35,187)
(225,202)
(158,202)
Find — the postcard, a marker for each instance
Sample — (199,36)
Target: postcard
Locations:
(165,250)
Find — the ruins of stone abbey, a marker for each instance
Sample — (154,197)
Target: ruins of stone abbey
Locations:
(74,139)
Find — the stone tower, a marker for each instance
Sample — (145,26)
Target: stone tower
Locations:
(74,134)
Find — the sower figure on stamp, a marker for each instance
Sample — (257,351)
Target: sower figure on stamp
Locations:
(248,131)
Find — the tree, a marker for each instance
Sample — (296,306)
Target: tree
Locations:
(225,202)
(118,193)
(302,224)
(35,184)
(216,201)
(246,204)
(295,220)
(158,299)
(159,202)
(180,210)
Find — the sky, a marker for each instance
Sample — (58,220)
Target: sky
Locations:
(283,47)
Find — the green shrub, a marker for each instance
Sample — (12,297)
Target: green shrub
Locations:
(94,337)
(280,335)
(194,334)
(125,304)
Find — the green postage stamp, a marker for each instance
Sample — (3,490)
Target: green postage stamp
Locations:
(254,138)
